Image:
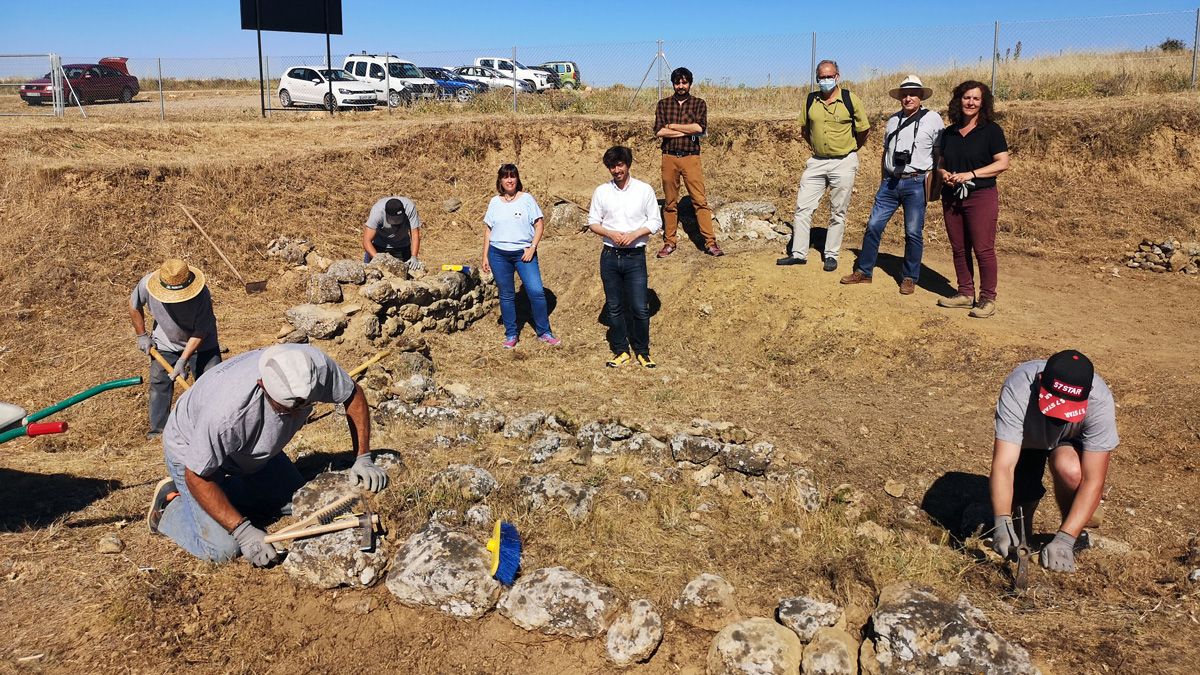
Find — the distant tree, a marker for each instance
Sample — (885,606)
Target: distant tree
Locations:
(1172,45)
(1007,54)
(1017,51)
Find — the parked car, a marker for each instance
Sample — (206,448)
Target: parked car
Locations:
(492,78)
(453,86)
(407,82)
(552,77)
(311,85)
(88,82)
(537,79)
(567,71)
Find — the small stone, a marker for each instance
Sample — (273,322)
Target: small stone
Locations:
(703,477)
(894,488)
(869,529)
(110,543)
(544,447)
(544,491)
(706,309)
(323,289)
(451,205)
(557,601)
(1194,576)
(755,646)
(525,426)
(831,652)
(480,514)
(805,616)
(464,480)
(707,602)
(635,634)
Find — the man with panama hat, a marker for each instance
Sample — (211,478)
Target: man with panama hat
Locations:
(1060,412)
(908,144)
(223,447)
(185,330)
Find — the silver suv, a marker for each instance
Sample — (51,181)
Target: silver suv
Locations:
(396,81)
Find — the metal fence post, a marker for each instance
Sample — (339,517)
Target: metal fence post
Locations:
(1195,41)
(387,77)
(267,65)
(812,64)
(659,56)
(56,81)
(995,54)
(162,106)
(514,72)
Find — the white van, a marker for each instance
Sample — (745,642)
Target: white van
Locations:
(538,79)
(401,83)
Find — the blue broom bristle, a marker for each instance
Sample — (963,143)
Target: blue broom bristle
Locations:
(509,554)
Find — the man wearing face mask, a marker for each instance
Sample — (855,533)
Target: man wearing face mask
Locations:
(834,123)
(1057,411)
(223,446)
(680,120)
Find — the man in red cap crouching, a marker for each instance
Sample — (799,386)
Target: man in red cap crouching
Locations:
(1060,412)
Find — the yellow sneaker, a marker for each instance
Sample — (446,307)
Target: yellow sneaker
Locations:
(619,360)
(646,361)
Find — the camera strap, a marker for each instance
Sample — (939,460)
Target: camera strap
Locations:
(912,119)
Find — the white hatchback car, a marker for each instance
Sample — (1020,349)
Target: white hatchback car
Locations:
(311,85)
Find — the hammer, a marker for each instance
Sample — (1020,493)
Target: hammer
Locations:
(366,522)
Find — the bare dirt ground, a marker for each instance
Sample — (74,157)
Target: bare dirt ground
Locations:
(859,384)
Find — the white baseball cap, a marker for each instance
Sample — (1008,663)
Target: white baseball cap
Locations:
(288,374)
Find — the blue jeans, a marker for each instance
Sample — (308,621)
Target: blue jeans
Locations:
(162,388)
(264,493)
(504,265)
(623,272)
(894,192)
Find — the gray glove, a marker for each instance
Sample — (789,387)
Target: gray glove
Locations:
(1059,554)
(1004,538)
(254,549)
(964,189)
(180,370)
(414,263)
(145,342)
(364,471)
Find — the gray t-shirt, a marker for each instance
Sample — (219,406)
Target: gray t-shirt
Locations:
(387,236)
(224,423)
(918,138)
(1020,421)
(175,323)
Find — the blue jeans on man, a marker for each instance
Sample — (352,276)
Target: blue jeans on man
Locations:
(504,265)
(623,272)
(262,494)
(162,387)
(893,193)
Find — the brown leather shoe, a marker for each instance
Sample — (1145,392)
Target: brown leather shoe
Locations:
(907,286)
(715,251)
(666,250)
(856,277)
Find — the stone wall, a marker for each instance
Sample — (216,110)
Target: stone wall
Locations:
(1165,256)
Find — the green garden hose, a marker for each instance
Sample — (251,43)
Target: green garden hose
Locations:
(67,403)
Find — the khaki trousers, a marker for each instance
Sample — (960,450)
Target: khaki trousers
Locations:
(692,172)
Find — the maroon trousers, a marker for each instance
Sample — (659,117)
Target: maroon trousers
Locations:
(971,228)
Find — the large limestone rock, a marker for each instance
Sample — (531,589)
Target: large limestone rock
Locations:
(525,426)
(806,616)
(694,449)
(388,265)
(446,569)
(565,218)
(315,321)
(334,559)
(635,634)
(557,601)
(752,460)
(323,289)
(550,490)
(707,602)
(800,488)
(831,652)
(758,646)
(466,481)
(916,631)
(735,216)
(348,271)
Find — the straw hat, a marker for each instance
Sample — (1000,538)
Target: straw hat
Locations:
(911,82)
(175,281)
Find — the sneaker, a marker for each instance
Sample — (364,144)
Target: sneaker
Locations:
(715,251)
(983,310)
(666,250)
(856,277)
(619,360)
(830,264)
(792,260)
(908,286)
(164,492)
(959,301)
(549,339)
(646,361)
(1082,542)
(510,343)
(153,435)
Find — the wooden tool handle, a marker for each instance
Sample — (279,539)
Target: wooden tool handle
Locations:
(370,362)
(214,244)
(335,526)
(316,515)
(168,367)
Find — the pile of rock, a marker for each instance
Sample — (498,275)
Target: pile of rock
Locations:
(749,221)
(1165,256)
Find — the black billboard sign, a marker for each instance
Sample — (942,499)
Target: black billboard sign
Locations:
(293,16)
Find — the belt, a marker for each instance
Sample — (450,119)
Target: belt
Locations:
(675,153)
(613,250)
(833,156)
(913,174)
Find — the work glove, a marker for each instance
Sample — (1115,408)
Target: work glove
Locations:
(1004,538)
(962,190)
(414,263)
(370,476)
(180,371)
(254,549)
(145,342)
(1059,554)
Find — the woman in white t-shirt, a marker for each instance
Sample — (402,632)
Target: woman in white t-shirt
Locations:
(510,241)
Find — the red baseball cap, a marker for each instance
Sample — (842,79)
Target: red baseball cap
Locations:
(1065,385)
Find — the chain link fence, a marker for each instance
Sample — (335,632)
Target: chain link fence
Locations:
(767,74)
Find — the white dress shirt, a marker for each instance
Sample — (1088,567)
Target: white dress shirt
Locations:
(625,210)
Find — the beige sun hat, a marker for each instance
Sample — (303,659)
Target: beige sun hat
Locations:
(175,281)
(911,82)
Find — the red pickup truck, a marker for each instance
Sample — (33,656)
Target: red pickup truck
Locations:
(89,82)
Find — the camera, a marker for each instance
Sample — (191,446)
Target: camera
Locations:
(901,158)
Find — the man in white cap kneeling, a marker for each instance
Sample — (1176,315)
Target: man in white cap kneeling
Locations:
(907,165)
(224,442)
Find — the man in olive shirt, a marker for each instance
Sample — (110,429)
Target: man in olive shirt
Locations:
(834,123)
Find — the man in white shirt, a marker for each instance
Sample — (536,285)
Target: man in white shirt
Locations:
(907,160)
(625,213)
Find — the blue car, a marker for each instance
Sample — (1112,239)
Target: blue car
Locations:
(454,86)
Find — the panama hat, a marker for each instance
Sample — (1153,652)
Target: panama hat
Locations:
(911,82)
(175,281)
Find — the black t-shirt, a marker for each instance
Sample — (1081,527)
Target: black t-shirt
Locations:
(964,154)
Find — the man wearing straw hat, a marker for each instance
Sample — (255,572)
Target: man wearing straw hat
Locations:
(185,331)
(907,161)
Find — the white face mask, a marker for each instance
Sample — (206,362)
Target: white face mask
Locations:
(827,84)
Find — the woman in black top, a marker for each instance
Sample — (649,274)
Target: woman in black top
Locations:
(973,152)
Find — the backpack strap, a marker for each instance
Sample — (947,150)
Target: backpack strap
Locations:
(814,95)
(849,106)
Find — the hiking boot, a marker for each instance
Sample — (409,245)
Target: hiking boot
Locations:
(715,251)
(958,301)
(510,343)
(666,250)
(984,309)
(908,286)
(830,264)
(856,277)
(646,361)
(619,360)
(792,260)
(164,492)
(549,339)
